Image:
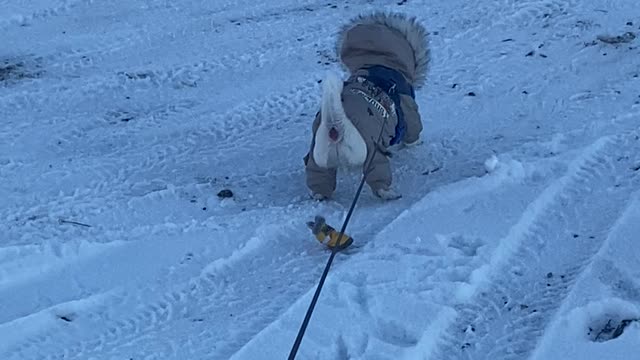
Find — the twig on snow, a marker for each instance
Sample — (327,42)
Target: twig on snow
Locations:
(63,221)
(618,39)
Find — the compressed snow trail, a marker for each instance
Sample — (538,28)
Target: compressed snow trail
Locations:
(129,118)
(606,293)
(538,263)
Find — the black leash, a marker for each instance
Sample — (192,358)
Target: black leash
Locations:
(334,251)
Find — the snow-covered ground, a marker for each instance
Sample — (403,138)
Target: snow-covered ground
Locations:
(517,236)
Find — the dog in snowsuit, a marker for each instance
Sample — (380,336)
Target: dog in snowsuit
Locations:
(387,56)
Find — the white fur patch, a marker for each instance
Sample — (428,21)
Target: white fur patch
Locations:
(350,148)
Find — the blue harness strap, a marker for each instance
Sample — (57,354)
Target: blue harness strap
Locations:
(393,83)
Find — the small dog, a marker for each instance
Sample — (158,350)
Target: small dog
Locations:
(387,56)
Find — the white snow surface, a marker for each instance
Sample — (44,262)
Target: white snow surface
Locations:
(517,236)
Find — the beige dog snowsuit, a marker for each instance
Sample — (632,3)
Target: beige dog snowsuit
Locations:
(387,58)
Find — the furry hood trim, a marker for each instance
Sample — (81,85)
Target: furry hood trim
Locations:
(409,27)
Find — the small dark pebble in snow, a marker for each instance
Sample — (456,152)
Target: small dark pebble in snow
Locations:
(530,53)
(65,318)
(471,93)
(522,307)
(548,284)
(454,86)
(204,208)
(543,55)
(226,193)
(549,275)
(561,276)
(431,171)
(629,23)
(193,200)
(506,40)
(575,236)
(525,92)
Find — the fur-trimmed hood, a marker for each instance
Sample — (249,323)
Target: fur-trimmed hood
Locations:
(390,39)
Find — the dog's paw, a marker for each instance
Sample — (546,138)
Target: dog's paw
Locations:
(319,197)
(412,144)
(388,194)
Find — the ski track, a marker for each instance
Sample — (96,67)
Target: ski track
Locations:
(511,312)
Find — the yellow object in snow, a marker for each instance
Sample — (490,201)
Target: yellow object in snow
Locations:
(322,231)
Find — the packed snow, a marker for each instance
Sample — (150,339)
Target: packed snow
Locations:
(154,203)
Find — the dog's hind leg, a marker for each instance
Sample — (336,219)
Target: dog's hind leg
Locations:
(320,180)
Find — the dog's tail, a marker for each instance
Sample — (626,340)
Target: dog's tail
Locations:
(389,39)
(332,112)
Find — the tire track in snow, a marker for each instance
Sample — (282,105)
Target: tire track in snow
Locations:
(527,13)
(156,314)
(131,38)
(176,77)
(219,285)
(550,250)
(47,11)
(125,171)
(232,290)
(64,67)
(221,130)
(53,316)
